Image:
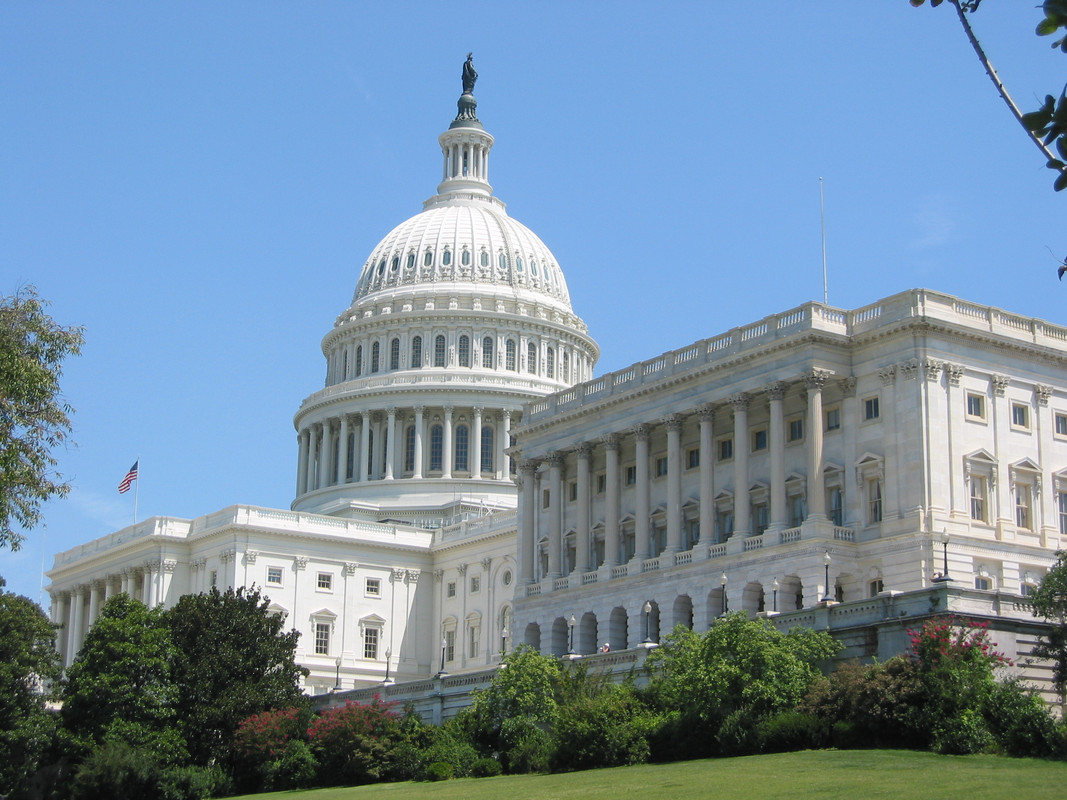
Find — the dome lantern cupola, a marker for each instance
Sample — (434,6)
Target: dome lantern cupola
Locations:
(465,146)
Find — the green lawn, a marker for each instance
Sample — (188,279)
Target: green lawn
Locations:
(818,775)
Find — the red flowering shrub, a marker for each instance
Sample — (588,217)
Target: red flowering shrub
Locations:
(354,742)
(270,751)
(264,736)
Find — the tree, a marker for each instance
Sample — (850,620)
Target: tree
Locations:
(33,417)
(1050,603)
(1049,123)
(233,660)
(120,688)
(28,663)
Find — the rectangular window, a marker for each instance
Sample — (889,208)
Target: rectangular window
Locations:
(601,483)
(796,429)
(631,475)
(274,576)
(1027,589)
(322,638)
(546,498)
(374,587)
(761,516)
(983,584)
(692,458)
(759,440)
(724,522)
(472,641)
(837,506)
(870,408)
(661,466)
(833,419)
(450,589)
(450,645)
(325,581)
(572,491)
(975,406)
(978,498)
(370,642)
(875,588)
(796,510)
(476,583)
(1061,500)
(726,449)
(1020,416)
(874,502)
(1061,425)
(1022,506)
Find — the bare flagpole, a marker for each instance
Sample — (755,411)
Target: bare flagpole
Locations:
(137,489)
(822,225)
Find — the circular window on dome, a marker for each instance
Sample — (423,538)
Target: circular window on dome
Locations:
(507,577)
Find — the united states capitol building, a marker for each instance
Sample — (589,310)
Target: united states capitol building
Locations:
(465,482)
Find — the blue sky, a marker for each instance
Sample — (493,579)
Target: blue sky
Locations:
(198,185)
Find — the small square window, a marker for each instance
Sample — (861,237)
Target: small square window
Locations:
(833,419)
(631,475)
(1020,416)
(450,590)
(796,429)
(661,466)
(601,483)
(870,408)
(476,583)
(875,588)
(1027,590)
(726,449)
(982,583)
(274,576)
(1061,425)
(692,458)
(759,439)
(325,581)
(975,406)
(374,587)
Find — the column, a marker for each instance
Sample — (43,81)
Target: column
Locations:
(503,468)
(555,492)
(476,444)
(311,473)
(611,500)
(77,630)
(641,503)
(779,514)
(152,574)
(390,443)
(95,591)
(581,555)
(447,455)
(302,464)
(146,586)
(374,468)
(891,481)
(850,430)
(364,445)
(815,380)
(527,530)
(60,609)
(342,452)
(707,473)
(742,512)
(324,456)
(417,474)
(674,483)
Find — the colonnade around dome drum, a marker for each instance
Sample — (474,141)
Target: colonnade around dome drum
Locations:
(405,442)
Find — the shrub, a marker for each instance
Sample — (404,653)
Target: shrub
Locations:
(439,771)
(962,735)
(1021,722)
(790,731)
(295,768)
(353,742)
(451,750)
(115,769)
(486,768)
(737,735)
(525,746)
(608,729)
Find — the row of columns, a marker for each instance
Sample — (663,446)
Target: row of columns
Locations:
(529,478)
(76,609)
(324,450)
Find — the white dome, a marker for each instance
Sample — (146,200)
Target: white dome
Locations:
(464,240)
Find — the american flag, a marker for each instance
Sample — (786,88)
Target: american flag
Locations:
(131,476)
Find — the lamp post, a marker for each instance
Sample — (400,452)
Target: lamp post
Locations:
(504,634)
(337,677)
(826,566)
(774,594)
(647,608)
(570,625)
(388,656)
(444,644)
(722,583)
(944,548)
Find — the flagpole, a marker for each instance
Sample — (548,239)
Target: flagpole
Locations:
(137,490)
(822,229)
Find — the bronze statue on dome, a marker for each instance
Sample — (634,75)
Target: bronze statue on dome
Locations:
(470,75)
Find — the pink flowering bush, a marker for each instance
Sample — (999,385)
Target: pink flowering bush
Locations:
(354,743)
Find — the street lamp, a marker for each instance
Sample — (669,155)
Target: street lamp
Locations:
(504,634)
(570,648)
(647,608)
(388,656)
(826,565)
(444,644)
(337,678)
(722,583)
(944,545)
(774,594)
